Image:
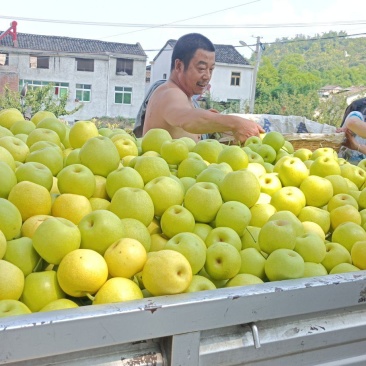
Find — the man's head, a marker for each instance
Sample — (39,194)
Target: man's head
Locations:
(186,47)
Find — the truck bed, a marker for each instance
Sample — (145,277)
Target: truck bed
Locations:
(310,321)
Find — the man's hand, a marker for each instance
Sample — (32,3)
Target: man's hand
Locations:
(246,128)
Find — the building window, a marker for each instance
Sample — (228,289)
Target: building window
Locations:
(84,64)
(4,59)
(164,76)
(60,89)
(83,92)
(122,95)
(124,66)
(148,76)
(235,79)
(39,62)
(32,84)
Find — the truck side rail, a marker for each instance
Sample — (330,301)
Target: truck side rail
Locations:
(176,329)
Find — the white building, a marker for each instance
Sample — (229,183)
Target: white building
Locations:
(108,78)
(232,78)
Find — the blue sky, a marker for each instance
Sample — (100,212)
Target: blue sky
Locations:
(188,12)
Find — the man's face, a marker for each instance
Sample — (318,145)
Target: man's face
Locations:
(197,75)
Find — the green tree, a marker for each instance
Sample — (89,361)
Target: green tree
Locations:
(35,100)
(331,110)
(293,70)
(268,80)
(294,104)
(288,89)
(294,76)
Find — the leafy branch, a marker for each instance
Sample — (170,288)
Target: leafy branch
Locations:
(37,99)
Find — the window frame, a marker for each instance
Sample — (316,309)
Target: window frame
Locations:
(124,66)
(59,87)
(235,78)
(39,62)
(84,64)
(124,93)
(5,57)
(83,92)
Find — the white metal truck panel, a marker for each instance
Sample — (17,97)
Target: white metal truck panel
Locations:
(311,321)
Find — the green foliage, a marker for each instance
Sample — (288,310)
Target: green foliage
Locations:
(112,123)
(230,106)
(286,104)
(35,100)
(10,99)
(333,57)
(331,110)
(293,70)
(268,80)
(288,89)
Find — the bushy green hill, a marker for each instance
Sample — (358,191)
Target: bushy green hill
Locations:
(333,57)
(293,70)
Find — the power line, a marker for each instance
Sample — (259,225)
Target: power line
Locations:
(183,20)
(314,39)
(279,42)
(205,26)
(127,25)
(202,26)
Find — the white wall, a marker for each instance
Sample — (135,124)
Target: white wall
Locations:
(221,90)
(136,81)
(62,68)
(161,65)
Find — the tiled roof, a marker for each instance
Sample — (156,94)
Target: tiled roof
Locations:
(71,45)
(224,53)
(331,87)
(229,55)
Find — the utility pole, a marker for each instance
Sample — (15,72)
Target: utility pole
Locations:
(258,51)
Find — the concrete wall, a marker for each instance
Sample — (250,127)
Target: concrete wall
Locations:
(221,90)
(62,68)
(161,65)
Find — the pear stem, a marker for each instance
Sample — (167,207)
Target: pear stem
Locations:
(90,297)
(251,235)
(38,265)
(50,267)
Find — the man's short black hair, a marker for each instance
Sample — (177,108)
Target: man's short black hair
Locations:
(186,47)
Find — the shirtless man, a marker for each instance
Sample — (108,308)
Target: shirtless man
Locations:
(170,106)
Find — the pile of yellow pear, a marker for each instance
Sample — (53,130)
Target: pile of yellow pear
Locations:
(94,215)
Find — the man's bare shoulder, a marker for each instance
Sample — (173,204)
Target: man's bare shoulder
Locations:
(166,91)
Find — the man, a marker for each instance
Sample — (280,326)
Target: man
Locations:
(140,118)
(170,106)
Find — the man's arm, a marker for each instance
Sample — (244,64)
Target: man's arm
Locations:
(177,112)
